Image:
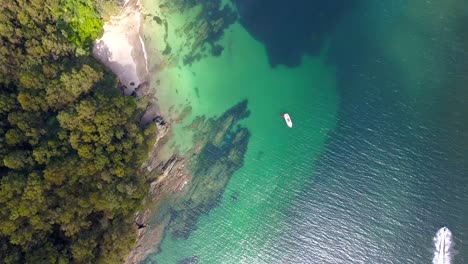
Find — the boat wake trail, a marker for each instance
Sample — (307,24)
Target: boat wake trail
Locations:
(443,247)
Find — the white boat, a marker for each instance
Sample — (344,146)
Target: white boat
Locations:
(287,118)
(442,246)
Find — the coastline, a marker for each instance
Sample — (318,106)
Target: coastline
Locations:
(149,237)
(166,29)
(122,50)
(176,199)
(212,142)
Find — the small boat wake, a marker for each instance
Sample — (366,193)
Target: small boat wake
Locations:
(443,247)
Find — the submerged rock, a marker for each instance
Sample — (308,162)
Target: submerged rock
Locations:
(191,260)
(221,154)
(196,182)
(202,30)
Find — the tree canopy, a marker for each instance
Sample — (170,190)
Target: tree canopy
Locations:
(70,145)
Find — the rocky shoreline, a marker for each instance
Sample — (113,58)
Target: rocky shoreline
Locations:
(122,50)
(218,152)
(173,177)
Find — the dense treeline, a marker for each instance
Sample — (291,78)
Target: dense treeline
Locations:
(70,145)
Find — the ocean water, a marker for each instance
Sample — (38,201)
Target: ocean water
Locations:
(376,160)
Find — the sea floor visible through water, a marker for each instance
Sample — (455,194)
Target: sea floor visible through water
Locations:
(375,162)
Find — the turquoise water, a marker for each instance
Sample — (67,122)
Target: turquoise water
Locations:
(259,186)
(376,160)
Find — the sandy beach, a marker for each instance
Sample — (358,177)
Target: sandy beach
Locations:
(122,49)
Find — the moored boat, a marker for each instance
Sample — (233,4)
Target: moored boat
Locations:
(287,118)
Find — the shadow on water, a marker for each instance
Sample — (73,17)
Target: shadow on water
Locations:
(290,29)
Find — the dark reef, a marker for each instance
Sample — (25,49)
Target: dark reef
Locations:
(288,30)
(190,260)
(203,32)
(220,152)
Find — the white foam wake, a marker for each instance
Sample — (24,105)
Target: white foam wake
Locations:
(443,247)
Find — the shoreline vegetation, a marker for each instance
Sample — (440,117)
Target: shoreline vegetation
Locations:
(71,146)
(83,162)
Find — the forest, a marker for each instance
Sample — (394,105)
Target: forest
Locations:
(70,144)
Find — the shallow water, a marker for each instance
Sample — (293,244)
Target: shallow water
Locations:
(376,161)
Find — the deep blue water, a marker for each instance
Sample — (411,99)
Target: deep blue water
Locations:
(288,30)
(395,170)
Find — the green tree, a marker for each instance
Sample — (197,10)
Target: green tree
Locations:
(70,86)
(70,147)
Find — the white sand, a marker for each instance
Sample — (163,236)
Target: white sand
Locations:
(121,48)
